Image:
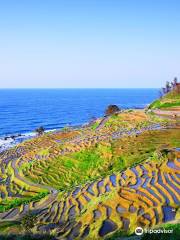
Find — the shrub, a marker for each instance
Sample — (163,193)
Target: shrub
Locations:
(111,109)
(40,130)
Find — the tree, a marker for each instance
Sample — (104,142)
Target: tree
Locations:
(66,129)
(168,86)
(40,130)
(175,81)
(111,109)
(174,85)
(164,90)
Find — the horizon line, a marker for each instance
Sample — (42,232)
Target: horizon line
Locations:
(71,88)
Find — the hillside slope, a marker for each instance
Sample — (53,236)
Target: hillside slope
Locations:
(92,182)
(170,100)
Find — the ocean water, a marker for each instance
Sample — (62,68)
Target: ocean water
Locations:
(23,110)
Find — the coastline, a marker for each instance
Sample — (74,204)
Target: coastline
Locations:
(12,140)
(9,141)
(63,165)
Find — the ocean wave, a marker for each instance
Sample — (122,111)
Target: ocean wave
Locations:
(7,142)
(51,130)
(29,134)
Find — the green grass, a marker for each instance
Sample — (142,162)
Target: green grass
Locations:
(136,149)
(169,100)
(159,104)
(8,204)
(69,164)
(94,125)
(65,172)
(87,159)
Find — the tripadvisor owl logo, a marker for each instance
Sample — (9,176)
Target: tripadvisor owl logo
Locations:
(138,231)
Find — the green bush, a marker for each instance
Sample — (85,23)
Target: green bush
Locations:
(94,125)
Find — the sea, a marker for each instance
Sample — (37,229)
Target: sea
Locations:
(24,110)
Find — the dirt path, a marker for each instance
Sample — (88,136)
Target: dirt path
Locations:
(169,113)
(103,121)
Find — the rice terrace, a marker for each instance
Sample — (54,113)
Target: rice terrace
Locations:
(99,181)
(90,120)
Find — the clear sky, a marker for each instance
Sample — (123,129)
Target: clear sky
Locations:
(89,43)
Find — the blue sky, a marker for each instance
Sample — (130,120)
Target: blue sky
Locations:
(89,43)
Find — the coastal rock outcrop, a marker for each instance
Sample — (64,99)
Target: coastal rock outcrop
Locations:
(111,109)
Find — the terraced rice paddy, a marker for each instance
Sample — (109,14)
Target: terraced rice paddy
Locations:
(144,195)
(94,181)
(64,171)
